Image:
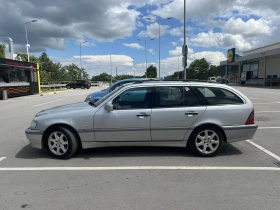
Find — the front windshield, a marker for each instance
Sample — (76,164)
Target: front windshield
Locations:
(107,96)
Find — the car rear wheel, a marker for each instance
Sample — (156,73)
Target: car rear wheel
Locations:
(207,141)
(68,87)
(62,143)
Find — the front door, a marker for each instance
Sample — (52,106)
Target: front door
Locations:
(176,109)
(129,121)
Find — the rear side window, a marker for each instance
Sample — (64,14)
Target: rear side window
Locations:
(218,96)
(168,97)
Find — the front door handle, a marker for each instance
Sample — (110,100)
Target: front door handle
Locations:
(190,114)
(143,115)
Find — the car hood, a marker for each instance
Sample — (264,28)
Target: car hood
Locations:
(63,108)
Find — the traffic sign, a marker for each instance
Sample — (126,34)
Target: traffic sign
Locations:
(185,50)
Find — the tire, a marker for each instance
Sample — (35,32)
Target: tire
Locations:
(83,87)
(68,87)
(88,87)
(202,146)
(64,138)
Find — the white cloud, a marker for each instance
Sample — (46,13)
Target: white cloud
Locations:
(176,31)
(223,40)
(134,45)
(250,28)
(198,8)
(174,43)
(151,51)
(176,52)
(123,60)
(153,30)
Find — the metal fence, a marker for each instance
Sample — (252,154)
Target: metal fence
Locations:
(61,84)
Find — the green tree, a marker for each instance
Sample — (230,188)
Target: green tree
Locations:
(2,50)
(213,71)
(102,77)
(152,72)
(73,71)
(200,68)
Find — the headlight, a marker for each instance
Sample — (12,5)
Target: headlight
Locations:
(33,124)
(89,97)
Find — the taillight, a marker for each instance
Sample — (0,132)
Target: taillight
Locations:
(85,83)
(251,119)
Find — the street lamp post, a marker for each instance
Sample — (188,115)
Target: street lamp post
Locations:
(111,65)
(158,21)
(146,55)
(27,45)
(133,67)
(178,66)
(81,57)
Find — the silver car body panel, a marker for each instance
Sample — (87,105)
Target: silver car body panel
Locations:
(97,127)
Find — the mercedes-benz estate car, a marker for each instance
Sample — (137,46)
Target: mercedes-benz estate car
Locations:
(199,116)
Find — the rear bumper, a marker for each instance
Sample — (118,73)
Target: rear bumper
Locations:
(240,132)
(34,137)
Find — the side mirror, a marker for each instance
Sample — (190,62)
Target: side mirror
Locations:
(109,106)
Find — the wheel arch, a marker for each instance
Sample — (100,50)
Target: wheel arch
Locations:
(206,125)
(51,127)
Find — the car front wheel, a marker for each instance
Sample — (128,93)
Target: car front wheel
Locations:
(207,141)
(68,87)
(62,143)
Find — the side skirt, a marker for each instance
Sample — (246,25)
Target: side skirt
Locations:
(87,145)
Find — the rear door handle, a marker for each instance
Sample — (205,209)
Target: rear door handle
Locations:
(191,113)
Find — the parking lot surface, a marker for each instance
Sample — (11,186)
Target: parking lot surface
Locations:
(243,176)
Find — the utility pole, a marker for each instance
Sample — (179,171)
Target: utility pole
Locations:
(185,60)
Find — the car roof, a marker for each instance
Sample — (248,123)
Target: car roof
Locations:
(174,83)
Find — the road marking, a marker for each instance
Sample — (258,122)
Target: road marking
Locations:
(262,128)
(50,102)
(264,150)
(267,112)
(139,168)
(2,158)
(266,103)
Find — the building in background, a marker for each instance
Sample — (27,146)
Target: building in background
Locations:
(257,67)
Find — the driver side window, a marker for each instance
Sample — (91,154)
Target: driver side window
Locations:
(137,98)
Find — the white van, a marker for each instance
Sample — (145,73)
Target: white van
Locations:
(212,79)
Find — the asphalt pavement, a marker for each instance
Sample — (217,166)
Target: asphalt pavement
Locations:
(243,176)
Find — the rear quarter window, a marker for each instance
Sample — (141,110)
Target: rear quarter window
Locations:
(218,96)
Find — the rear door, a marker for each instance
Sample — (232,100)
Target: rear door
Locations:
(176,108)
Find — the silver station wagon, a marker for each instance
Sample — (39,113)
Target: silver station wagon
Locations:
(199,116)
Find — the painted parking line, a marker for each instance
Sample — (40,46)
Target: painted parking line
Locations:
(2,158)
(263,128)
(139,168)
(266,103)
(264,150)
(267,112)
(50,102)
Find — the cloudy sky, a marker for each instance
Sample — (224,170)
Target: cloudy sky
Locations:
(116,26)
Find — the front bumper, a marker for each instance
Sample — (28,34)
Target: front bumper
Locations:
(239,132)
(35,137)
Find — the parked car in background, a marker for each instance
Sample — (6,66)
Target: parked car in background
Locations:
(79,84)
(93,97)
(200,116)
